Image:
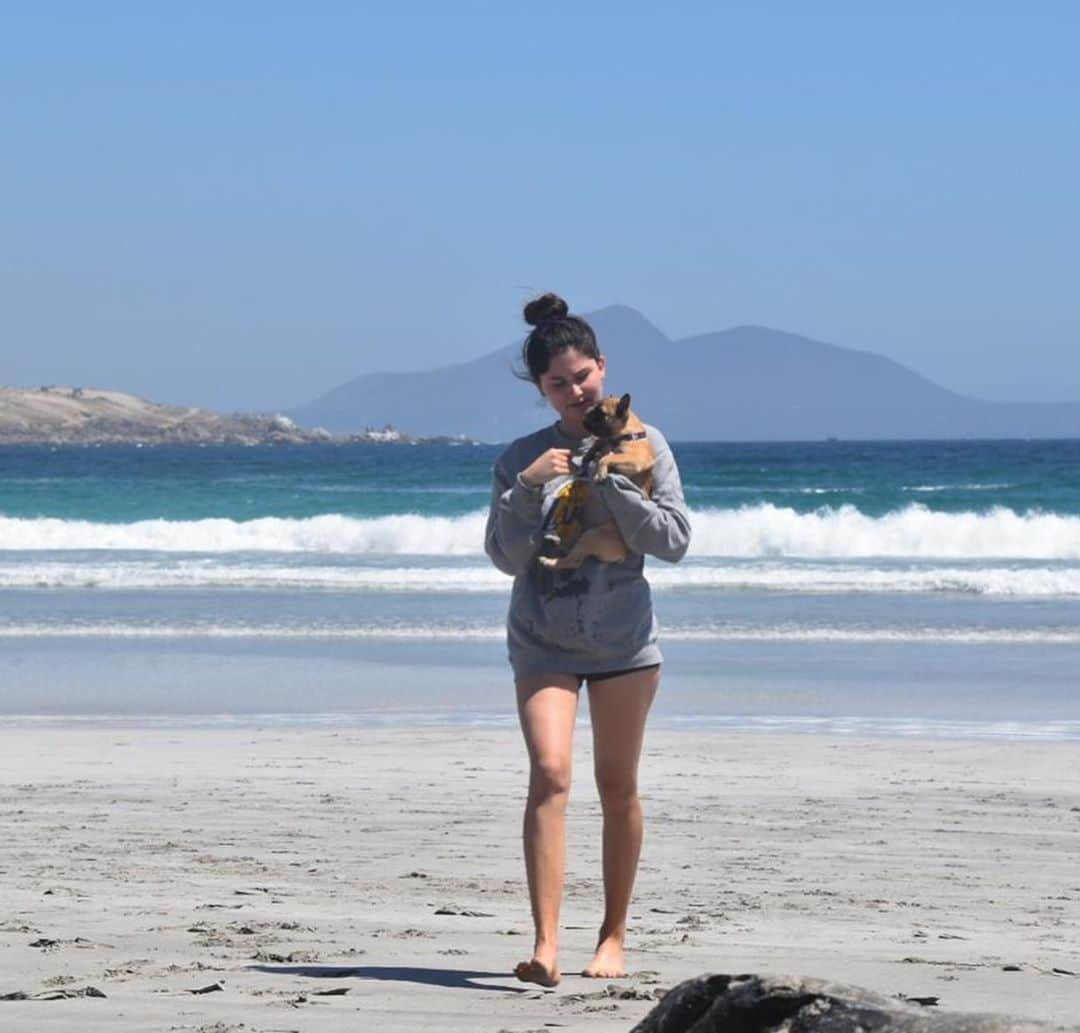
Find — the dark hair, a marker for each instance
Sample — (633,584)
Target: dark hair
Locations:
(554,332)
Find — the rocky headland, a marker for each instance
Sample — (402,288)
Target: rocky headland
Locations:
(59,415)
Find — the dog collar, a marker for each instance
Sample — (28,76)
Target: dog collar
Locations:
(602,446)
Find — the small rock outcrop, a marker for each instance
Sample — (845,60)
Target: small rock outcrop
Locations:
(773,1004)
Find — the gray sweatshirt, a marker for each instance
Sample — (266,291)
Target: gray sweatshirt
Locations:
(599,617)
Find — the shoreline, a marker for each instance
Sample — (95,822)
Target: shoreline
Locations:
(277,862)
(847,728)
(850,690)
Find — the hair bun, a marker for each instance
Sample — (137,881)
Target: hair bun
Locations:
(547,306)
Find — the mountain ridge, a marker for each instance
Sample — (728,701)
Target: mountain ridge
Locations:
(745,383)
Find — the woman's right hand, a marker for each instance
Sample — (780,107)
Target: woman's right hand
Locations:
(555,462)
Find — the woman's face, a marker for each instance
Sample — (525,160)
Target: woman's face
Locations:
(572,384)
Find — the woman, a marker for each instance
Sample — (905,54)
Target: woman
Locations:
(593,625)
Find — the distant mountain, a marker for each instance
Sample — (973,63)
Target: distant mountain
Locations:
(748,383)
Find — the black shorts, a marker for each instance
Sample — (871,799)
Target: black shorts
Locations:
(605,675)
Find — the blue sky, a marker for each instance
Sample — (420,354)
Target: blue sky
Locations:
(244,204)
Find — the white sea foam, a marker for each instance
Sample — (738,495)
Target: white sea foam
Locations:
(828,577)
(912,532)
(758,531)
(459,632)
(404,534)
(131,574)
(855,727)
(127,572)
(315,632)
(881,635)
(845,726)
(954,487)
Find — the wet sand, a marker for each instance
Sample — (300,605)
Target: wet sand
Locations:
(319,879)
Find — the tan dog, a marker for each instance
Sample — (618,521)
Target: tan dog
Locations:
(621,447)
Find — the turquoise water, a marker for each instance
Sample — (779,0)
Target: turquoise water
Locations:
(109,484)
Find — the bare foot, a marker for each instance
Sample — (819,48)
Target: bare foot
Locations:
(541,968)
(608,961)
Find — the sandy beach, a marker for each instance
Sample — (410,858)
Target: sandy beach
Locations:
(321,879)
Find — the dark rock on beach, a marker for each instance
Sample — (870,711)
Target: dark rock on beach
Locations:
(760,1004)
(52,995)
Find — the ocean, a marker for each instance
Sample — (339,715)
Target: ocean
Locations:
(896,588)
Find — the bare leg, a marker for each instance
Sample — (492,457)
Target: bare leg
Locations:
(618,708)
(547,708)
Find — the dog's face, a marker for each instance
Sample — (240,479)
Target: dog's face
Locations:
(607,419)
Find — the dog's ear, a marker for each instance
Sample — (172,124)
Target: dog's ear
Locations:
(623,407)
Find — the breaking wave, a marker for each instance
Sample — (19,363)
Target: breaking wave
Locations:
(914,532)
(759,531)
